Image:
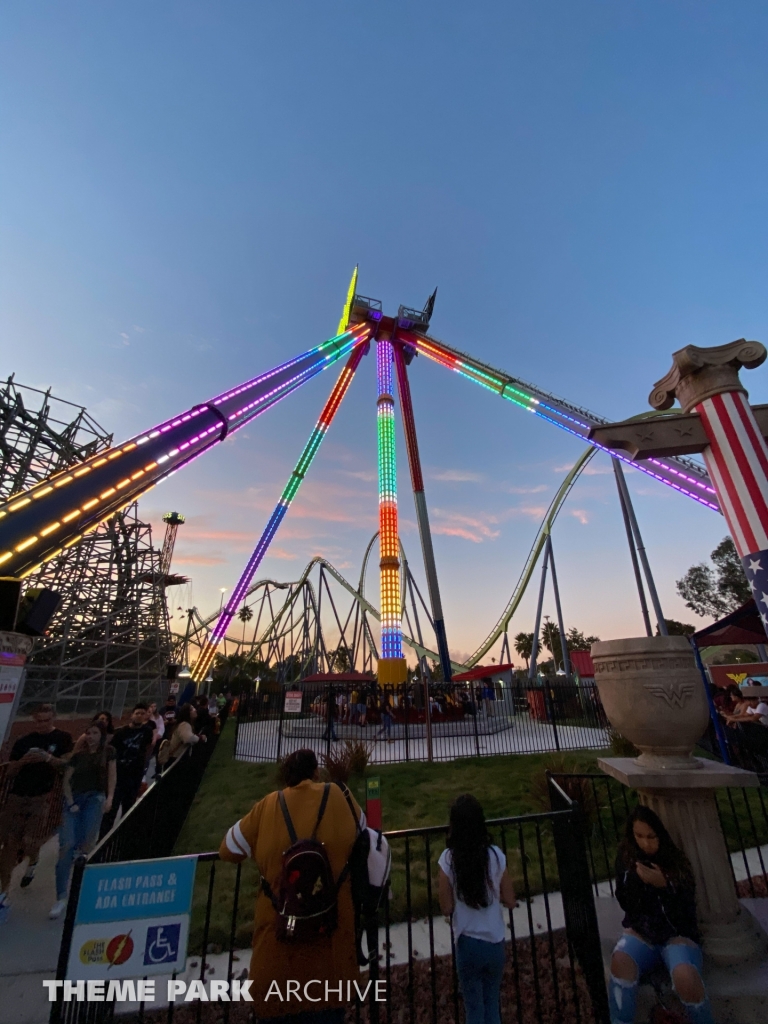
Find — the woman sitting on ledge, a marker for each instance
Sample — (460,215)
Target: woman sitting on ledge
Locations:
(656,890)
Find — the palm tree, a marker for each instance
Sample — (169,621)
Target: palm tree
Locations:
(245,615)
(524,646)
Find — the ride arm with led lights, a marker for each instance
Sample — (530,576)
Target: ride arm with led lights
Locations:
(300,471)
(37,524)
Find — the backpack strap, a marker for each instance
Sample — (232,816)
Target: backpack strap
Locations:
(321,811)
(348,797)
(287,818)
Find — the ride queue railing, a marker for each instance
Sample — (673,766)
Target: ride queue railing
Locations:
(553,972)
(396,725)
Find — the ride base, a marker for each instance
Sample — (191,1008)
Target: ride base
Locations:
(392,671)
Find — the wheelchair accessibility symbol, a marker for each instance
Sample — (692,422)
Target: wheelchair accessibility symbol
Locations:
(162,944)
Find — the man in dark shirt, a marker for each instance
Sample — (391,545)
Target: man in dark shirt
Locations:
(36,761)
(132,744)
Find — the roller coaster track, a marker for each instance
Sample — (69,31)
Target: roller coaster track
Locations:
(357,593)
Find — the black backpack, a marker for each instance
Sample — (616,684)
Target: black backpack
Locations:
(306,900)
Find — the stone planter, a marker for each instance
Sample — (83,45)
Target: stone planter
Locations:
(653,694)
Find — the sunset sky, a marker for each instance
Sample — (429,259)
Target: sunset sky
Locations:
(186,189)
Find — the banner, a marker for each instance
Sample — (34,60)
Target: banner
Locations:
(132,919)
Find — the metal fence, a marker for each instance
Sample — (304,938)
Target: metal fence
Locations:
(397,723)
(553,972)
(605,805)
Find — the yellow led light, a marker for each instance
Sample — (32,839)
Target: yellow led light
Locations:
(90,504)
(123,483)
(129,447)
(83,471)
(39,494)
(19,504)
(99,462)
(151,465)
(27,543)
(106,494)
(64,480)
(74,540)
(49,529)
(4,557)
(71,516)
(114,455)
(137,475)
(3,514)
(53,555)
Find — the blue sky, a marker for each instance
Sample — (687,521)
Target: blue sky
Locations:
(187,186)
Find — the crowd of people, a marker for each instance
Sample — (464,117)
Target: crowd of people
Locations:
(97,777)
(744,717)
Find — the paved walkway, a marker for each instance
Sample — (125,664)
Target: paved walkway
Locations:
(29,944)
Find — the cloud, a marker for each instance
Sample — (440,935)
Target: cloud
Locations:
(527,490)
(179,559)
(566,468)
(529,511)
(456,476)
(125,337)
(281,553)
(196,533)
(139,330)
(579,513)
(596,469)
(361,474)
(454,524)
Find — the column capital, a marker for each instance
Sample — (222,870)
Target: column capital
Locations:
(699,373)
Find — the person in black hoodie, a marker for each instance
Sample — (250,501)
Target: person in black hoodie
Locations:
(656,889)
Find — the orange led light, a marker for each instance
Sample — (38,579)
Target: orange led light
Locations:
(151,465)
(6,556)
(99,462)
(123,483)
(64,480)
(19,504)
(106,494)
(27,543)
(114,455)
(74,540)
(39,494)
(83,471)
(137,475)
(71,516)
(129,447)
(49,529)
(90,504)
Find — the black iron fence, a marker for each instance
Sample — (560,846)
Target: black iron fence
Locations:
(398,723)
(553,972)
(605,805)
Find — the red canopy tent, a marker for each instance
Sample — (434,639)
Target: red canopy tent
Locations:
(744,626)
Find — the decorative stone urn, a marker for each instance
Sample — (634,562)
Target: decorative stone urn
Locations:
(653,694)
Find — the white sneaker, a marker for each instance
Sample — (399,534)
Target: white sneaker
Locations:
(57,909)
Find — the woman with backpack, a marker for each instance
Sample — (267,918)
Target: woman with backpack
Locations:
(301,838)
(473,886)
(656,889)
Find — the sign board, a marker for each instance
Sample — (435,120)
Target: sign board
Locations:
(755,674)
(132,919)
(14,648)
(292,702)
(373,801)
(174,687)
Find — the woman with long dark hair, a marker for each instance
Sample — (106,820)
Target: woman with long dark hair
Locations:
(656,889)
(473,887)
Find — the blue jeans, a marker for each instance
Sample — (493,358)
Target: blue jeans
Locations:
(622,995)
(78,832)
(480,966)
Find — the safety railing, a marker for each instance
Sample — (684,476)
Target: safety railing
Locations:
(553,970)
(398,724)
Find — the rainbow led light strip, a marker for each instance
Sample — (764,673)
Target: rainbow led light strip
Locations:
(679,473)
(36,525)
(391,628)
(300,471)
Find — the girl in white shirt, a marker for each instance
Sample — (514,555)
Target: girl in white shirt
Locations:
(473,887)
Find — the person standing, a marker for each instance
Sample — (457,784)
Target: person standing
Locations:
(473,885)
(89,788)
(131,744)
(328,961)
(386,718)
(183,736)
(36,761)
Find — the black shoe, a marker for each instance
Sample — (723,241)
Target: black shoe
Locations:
(29,874)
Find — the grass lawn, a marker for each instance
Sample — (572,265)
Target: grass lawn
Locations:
(413,795)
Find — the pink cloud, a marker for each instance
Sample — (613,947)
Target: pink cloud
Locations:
(197,560)
(579,513)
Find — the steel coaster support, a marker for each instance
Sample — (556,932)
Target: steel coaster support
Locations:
(633,553)
(422,516)
(291,488)
(537,628)
(560,626)
(392,665)
(627,501)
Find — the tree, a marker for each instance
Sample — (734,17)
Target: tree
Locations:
(339,660)
(719,589)
(550,638)
(245,615)
(578,642)
(524,646)
(675,628)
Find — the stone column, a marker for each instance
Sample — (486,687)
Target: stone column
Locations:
(706,381)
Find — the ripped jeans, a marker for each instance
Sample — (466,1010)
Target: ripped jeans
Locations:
(623,994)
